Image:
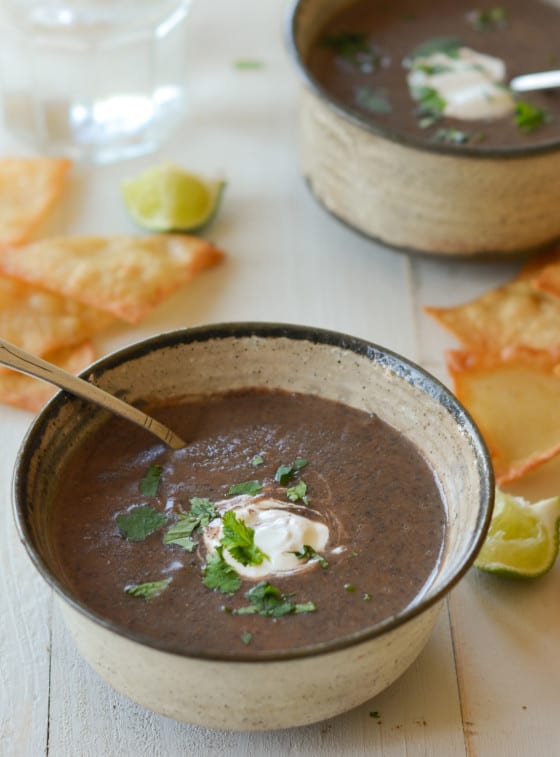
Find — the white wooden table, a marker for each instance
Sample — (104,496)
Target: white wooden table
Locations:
(488,682)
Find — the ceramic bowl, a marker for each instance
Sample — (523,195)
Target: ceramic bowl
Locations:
(332,677)
(414,194)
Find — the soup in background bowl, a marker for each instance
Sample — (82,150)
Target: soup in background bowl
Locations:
(409,132)
(330,495)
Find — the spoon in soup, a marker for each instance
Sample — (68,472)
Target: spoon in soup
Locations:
(536,81)
(24,362)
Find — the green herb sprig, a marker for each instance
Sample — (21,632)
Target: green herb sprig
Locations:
(148,590)
(239,540)
(139,522)
(265,599)
(202,511)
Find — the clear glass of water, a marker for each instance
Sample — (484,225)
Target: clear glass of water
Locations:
(94,80)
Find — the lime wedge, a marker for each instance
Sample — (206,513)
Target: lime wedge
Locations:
(522,541)
(167,198)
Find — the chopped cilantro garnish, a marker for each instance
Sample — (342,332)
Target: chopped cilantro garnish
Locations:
(447,45)
(150,483)
(245,487)
(451,136)
(266,599)
(374,714)
(430,105)
(246,64)
(285,473)
(373,100)
(528,118)
(431,69)
(486,20)
(257,460)
(355,48)
(148,590)
(246,637)
(308,553)
(349,587)
(219,575)
(239,540)
(199,516)
(298,491)
(140,522)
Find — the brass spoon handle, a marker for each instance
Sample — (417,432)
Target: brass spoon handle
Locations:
(24,362)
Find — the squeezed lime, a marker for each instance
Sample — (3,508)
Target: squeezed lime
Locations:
(522,541)
(168,198)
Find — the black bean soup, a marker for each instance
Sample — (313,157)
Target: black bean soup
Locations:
(129,518)
(363,54)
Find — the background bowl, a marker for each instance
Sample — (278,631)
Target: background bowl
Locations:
(223,691)
(411,193)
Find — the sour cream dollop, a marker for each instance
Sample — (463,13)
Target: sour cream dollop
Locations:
(279,533)
(470,83)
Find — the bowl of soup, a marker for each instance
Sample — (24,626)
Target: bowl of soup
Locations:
(410,132)
(291,560)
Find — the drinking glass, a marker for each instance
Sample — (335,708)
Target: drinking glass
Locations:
(98,80)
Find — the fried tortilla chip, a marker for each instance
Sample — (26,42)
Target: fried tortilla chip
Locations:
(513,314)
(29,187)
(29,393)
(547,279)
(40,321)
(126,276)
(514,397)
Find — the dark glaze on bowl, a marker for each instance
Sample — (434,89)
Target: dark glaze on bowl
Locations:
(365,480)
(527,41)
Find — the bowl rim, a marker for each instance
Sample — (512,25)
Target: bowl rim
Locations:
(402,367)
(402,138)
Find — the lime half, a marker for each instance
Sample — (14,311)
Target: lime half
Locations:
(522,541)
(168,198)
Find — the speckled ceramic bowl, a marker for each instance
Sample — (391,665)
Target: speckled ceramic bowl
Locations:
(411,193)
(225,692)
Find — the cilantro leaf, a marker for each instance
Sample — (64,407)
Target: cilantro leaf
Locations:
(268,600)
(298,491)
(246,637)
(218,574)
(246,64)
(447,45)
(285,473)
(308,553)
(430,105)
(486,20)
(528,118)
(140,522)
(245,487)
(451,136)
(373,100)
(180,533)
(257,460)
(239,540)
(150,483)
(199,516)
(148,590)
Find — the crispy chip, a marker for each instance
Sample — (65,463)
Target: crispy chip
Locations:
(29,393)
(514,397)
(29,187)
(40,321)
(126,276)
(513,314)
(548,279)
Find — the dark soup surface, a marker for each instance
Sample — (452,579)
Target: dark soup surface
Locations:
(287,520)
(420,68)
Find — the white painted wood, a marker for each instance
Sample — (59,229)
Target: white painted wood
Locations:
(287,260)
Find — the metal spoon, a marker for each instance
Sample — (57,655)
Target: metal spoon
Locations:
(531,82)
(25,362)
